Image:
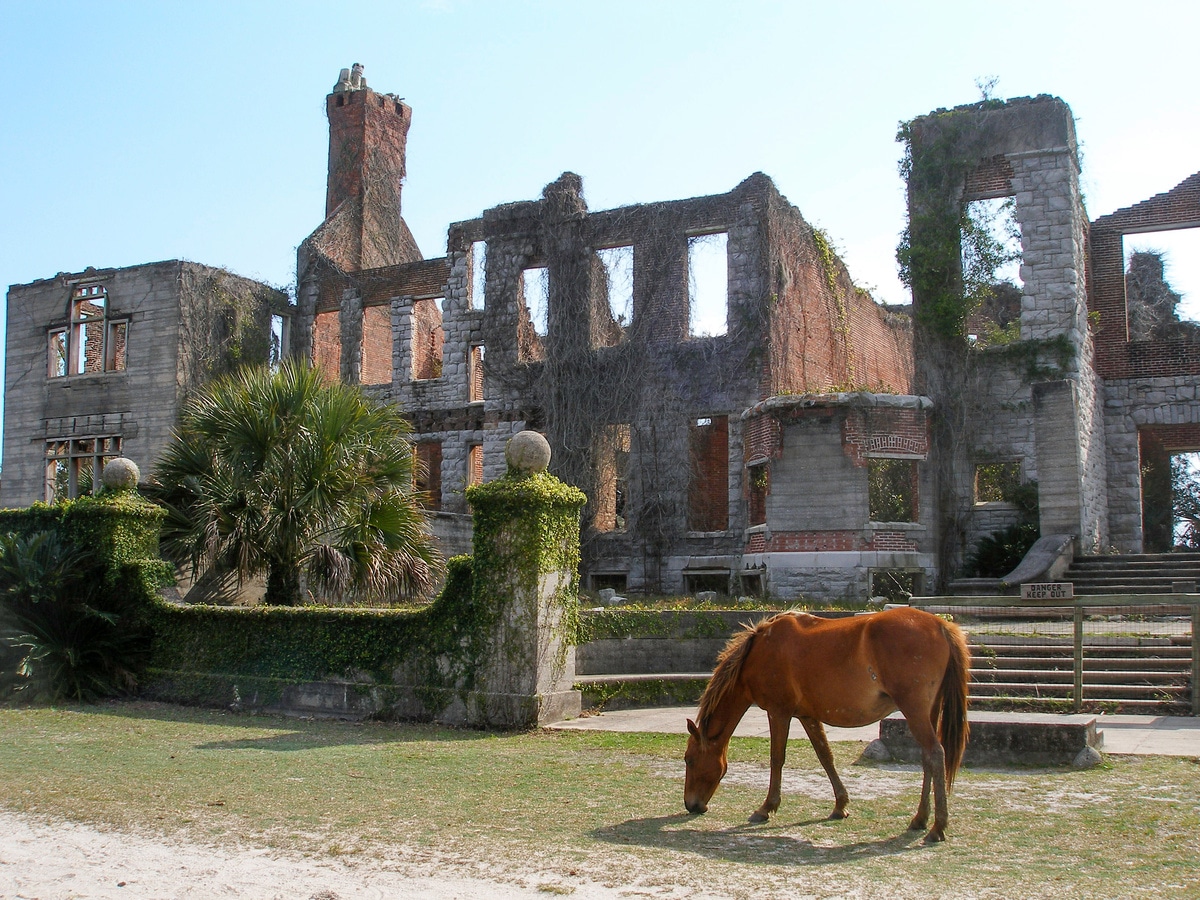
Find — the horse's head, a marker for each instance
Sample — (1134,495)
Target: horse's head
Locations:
(705,766)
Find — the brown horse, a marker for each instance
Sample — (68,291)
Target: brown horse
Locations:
(842,672)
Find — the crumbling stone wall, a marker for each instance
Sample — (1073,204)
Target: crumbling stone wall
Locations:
(828,334)
(1024,149)
(472,377)
(589,372)
(187,323)
(1148,384)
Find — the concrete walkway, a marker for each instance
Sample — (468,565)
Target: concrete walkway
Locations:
(1133,735)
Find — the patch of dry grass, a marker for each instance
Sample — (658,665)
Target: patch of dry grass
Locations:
(606,807)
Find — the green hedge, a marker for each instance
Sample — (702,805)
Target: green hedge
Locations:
(222,654)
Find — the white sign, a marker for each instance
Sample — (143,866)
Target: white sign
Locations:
(1050,590)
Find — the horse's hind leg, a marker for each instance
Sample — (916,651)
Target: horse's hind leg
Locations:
(816,733)
(781,724)
(921,819)
(933,765)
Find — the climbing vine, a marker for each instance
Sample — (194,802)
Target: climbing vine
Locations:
(947,255)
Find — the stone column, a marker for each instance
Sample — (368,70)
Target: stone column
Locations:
(526,559)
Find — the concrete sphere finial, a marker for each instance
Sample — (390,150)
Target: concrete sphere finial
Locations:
(120,474)
(527,451)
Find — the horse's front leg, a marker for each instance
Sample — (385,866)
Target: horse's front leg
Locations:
(816,733)
(781,724)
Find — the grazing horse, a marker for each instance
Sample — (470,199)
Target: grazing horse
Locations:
(841,672)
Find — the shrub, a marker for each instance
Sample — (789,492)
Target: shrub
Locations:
(57,642)
(999,553)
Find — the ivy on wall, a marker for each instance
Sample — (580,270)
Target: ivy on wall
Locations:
(525,527)
(947,256)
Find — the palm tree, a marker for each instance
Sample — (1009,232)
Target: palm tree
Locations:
(285,474)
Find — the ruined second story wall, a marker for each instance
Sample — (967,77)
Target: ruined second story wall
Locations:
(1118,354)
(99,361)
(827,334)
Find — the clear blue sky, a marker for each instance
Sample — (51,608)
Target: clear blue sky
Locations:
(141,131)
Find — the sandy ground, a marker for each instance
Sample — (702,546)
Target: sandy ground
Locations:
(42,860)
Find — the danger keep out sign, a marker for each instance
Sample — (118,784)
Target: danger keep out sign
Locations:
(1048,590)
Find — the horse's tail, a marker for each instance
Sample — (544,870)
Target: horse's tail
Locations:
(954,729)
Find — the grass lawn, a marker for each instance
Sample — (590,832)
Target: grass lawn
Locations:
(598,806)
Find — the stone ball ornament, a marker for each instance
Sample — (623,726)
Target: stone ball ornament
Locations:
(120,474)
(527,452)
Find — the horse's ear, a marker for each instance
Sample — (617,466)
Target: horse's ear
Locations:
(693,730)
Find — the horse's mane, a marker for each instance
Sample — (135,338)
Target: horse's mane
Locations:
(728,669)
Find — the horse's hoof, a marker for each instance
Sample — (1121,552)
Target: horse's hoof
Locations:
(935,837)
(839,814)
(757,818)
(916,825)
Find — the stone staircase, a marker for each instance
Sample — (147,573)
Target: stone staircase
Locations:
(1145,674)
(1139,573)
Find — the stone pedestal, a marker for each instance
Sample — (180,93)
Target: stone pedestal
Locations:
(526,556)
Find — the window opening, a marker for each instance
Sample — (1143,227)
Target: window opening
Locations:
(59,353)
(618,271)
(428,476)
(375,359)
(474,464)
(715,581)
(752,584)
(708,284)
(708,487)
(477,284)
(892,490)
(475,387)
(535,285)
(428,337)
(759,485)
(73,465)
(895,585)
(612,478)
(991,267)
(280,326)
(613,581)
(1162,284)
(996,482)
(93,342)
(1185,500)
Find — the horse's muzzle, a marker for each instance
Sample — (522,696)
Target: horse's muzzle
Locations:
(696,809)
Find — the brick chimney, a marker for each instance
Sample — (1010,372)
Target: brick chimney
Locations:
(368,133)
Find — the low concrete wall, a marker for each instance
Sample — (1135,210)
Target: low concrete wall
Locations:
(648,656)
(997,739)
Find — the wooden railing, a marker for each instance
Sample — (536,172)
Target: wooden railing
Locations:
(1173,613)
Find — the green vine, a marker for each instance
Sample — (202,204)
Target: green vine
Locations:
(942,234)
(1041,359)
(829,267)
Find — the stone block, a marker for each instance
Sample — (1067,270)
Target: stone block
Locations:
(1007,739)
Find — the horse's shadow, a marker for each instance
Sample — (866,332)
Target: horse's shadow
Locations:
(752,843)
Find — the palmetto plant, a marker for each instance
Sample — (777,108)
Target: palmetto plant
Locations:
(283,474)
(54,642)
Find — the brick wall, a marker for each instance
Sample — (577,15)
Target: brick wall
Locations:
(1116,356)
(376,367)
(327,344)
(826,334)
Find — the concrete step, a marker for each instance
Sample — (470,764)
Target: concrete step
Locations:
(1115,692)
(1067,676)
(1090,664)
